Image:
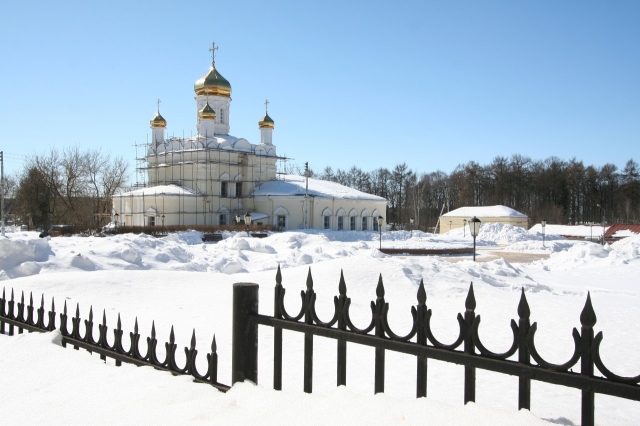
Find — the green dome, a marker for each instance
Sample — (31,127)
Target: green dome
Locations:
(212,83)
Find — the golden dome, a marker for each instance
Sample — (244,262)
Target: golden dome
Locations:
(212,83)
(207,113)
(266,122)
(158,121)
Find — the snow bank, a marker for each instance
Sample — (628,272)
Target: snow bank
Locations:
(81,388)
(17,255)
(592,255)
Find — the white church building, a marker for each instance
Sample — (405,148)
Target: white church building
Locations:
(213,177)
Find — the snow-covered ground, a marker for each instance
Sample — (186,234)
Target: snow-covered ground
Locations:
(179,281)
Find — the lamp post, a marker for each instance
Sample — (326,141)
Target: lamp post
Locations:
(162,217)
(464,228)
(238,220)
(411,228)
(380,219)
(603,217)
(450,223)
(116,216)
(543,223)
(474,228)
(591,229)
(247,221)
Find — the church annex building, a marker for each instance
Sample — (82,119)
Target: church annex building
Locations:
(210,178)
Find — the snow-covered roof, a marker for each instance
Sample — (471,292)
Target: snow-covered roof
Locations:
(160,190)
(217,142)
(569,230)
(484,211)
(295,185)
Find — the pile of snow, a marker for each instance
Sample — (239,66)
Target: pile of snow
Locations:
(592,255)
(19,255)
(500,233)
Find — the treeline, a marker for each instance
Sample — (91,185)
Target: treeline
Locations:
(562,192)
(66,187)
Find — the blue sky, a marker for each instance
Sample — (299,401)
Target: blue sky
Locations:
(365,83)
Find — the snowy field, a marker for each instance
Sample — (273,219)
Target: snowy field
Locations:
(179,281)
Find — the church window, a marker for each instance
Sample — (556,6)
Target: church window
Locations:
(152,221)
(224,189)
(281,222)
(238,189)
(221,116)
(222,219)
(364,223)
(340,223)
(375,224)
(327,222)
(352,224)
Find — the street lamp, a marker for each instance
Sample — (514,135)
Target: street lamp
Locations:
(543,223)
(247,221)
(474,228)
(411,228)
(591,229)
(162,217)
(238,219)
(116,216)
(464,228)
(380,219)
(450,223)
(603,217)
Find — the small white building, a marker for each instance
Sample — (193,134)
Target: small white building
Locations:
(213,177)
(487,214)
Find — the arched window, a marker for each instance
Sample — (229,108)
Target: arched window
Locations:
(221,116)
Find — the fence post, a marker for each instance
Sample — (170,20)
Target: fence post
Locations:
(379,332)
(524,323)
(469,348)
(588,320)
(277,334)
(244,361)
(421,339)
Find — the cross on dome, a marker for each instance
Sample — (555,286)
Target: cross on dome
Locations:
(266,106)
(159,106)
(213,52)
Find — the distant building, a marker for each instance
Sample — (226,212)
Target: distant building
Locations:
(212,178)
(618,231)
(487,214)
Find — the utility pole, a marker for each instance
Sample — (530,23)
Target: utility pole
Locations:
(306,195)
(2,189)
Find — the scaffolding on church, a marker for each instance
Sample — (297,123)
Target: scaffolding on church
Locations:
(176,167)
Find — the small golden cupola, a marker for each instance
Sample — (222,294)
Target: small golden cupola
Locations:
(158,121)
(207,113)
(266,122)
(212,83)
(158,126)
(266,126)
(206,121)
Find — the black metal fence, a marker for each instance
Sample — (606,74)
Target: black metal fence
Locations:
(467,349)
(26,317)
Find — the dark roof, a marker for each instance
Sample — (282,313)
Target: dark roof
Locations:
(621,227)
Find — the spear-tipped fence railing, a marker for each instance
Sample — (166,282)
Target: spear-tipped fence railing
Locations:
(12,314)
(467,349)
